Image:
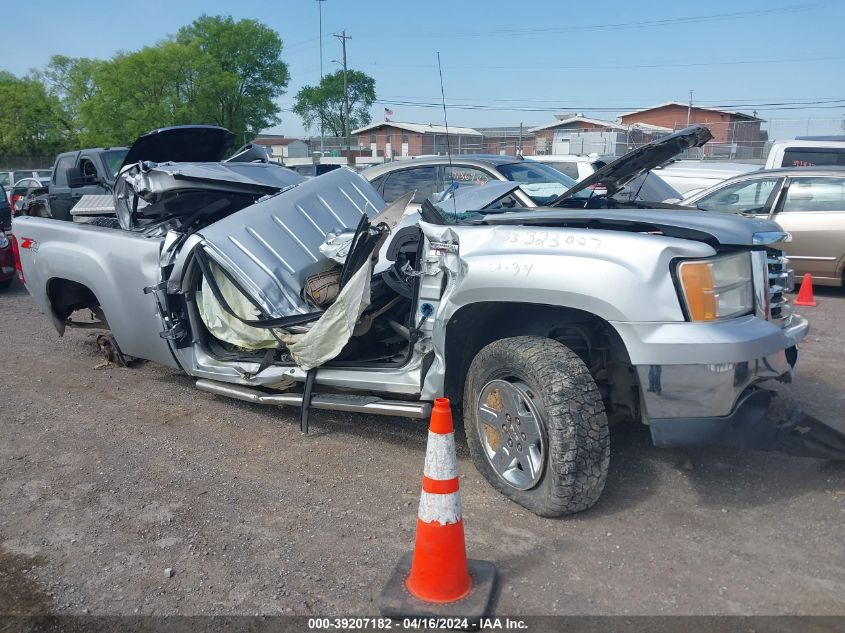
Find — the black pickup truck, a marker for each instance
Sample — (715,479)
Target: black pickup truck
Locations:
(75,174)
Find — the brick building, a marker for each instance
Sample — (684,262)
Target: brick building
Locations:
(735,134)
(394,139)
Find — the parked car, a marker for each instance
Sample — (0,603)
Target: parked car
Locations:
(27,188)
(77,173)
(808,202)
(8,178)
(575,166)
(7,261)
(5,209)
(806,153)
(546,325)
(539,183)
(434,174)
(691,176)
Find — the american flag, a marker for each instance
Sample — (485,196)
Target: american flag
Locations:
(387,112)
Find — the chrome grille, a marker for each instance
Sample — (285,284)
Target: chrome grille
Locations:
(781,281)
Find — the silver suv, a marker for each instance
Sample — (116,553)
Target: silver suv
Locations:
(538,184)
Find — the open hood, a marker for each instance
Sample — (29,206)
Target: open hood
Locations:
(623,170)
(181,144)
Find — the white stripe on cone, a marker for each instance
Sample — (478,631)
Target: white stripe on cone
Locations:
(440,456)
(443,508)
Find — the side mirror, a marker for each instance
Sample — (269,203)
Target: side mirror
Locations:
(75,178)
(731,199)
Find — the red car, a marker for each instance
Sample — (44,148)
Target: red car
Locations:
(7,261)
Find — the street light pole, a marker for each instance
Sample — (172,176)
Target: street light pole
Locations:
(322,131)
(343,37)
(689,108)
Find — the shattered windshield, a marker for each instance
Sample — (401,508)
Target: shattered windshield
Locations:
(540,182)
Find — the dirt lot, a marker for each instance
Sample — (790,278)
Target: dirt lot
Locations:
(109,477)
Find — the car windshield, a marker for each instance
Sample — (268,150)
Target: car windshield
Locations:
(113,159)
(649,188)
(540,182)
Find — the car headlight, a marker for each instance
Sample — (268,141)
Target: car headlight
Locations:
(717,288)
(4,241)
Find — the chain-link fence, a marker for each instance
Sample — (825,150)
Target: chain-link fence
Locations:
(8,163)
(749,141)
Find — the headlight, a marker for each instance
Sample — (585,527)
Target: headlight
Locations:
(717,288)
(4,241)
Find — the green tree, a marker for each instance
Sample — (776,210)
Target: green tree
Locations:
(32,122)
(324,102)
(241,72)
(71,80)
(140,91)
(215,70)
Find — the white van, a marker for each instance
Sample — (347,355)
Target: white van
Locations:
(806,153)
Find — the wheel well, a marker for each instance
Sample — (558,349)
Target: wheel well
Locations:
(67,296)
(594,340)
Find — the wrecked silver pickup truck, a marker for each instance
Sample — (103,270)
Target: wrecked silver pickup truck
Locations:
(547,325)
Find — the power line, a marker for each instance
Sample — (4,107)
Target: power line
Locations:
(574,104)
(786,105)
(694,19)
(733,62)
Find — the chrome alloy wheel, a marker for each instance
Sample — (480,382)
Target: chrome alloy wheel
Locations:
(511,432)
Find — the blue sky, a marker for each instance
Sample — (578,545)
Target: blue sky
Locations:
(520,61)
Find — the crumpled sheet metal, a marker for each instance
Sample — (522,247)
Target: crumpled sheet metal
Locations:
(272,247)
(151,180)
(336,246)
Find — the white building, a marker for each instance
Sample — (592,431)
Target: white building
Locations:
(282,147)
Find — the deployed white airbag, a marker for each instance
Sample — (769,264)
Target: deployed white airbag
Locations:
(223,325)
(323,342)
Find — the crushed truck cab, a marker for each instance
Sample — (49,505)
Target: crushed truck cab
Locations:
(546,326)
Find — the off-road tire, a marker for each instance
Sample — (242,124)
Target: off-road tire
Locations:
(577,450)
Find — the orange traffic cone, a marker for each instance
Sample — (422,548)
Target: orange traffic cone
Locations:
(437,579)
(805,293)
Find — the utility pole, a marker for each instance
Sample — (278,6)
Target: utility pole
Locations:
(689,108)
(343,37)
(322,131)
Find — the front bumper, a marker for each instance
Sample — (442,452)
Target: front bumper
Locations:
(719,363)
(719,403)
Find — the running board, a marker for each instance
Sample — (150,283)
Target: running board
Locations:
(328,401)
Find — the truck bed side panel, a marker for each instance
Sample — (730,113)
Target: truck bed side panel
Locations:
(115,265)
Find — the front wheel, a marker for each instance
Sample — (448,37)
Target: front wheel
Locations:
(536,426)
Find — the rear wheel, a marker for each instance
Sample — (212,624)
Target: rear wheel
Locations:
(536,426)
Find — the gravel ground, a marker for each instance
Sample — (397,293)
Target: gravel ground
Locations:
(110,477)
